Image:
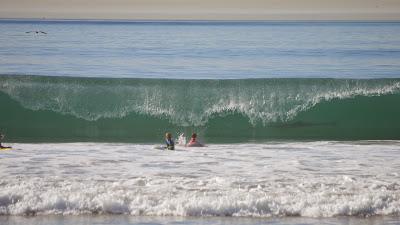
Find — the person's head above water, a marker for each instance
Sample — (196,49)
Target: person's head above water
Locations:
(194,135)
(168,135)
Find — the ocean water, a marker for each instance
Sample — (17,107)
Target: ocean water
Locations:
(300,121)
(200,50)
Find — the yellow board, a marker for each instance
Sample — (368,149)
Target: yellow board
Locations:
(6,148)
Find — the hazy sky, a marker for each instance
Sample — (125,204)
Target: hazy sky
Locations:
(203,9)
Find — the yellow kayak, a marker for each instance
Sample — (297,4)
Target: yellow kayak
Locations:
(6,148)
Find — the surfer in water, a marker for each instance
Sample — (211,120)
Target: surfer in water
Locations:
(170,143)
(193,142)
(1,138)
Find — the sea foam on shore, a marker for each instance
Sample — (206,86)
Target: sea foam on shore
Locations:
(311,179)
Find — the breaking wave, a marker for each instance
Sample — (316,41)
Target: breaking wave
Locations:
(245,104)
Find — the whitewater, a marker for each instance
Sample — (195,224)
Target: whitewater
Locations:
(308,179)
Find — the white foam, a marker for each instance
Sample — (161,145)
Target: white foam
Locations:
(313,179)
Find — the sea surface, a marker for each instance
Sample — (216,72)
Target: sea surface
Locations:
(300,121)
(200,49)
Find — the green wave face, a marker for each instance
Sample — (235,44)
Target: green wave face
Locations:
(52,109)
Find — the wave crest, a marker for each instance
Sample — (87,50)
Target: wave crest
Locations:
(185,102)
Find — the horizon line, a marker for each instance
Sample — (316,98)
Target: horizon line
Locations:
(195,20)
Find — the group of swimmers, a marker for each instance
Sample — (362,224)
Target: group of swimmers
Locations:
(192,143)
(168,141)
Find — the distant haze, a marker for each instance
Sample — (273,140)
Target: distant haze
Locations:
(203,9)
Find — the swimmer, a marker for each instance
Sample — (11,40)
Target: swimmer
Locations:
(1,138)
(193,142)
(170,143)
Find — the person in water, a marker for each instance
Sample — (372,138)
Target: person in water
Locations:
(1,138)
(170,143)
(193,142)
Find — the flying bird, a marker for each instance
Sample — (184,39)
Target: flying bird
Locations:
(36,32)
